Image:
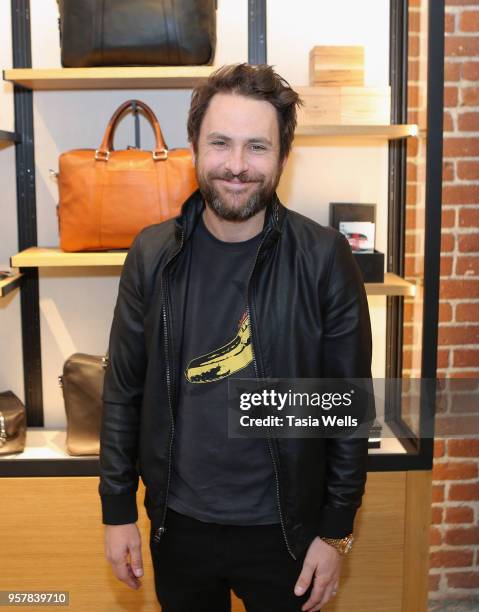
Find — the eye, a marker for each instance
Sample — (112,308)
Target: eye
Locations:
(258,148)
(218,143)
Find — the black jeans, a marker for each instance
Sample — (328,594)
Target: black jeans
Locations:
(196,564)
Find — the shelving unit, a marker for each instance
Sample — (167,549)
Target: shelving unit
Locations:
(38,257)
(388,132)
(9,284)
(137,77)
(8,137)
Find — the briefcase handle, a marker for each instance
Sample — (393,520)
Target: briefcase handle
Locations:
(160,153)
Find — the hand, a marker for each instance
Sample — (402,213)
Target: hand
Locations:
(121,541)
(323,563)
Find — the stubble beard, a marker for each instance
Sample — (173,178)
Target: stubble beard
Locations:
(256,202)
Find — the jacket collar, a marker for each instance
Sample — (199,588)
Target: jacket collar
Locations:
(194,206)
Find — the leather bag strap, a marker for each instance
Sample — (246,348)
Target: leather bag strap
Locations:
(161,150)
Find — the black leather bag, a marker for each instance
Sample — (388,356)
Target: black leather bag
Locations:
(137,32)
(13,424)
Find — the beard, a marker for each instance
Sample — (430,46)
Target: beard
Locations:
(235,210)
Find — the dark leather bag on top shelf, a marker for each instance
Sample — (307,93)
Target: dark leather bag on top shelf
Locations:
(106,197)
(82,386)
(13,424)
(137,33)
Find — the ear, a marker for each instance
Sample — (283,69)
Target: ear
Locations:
(283,162)
(193,154)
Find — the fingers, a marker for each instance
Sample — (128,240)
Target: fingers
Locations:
(323,590)
(135,560)
(123,572)
(304,579)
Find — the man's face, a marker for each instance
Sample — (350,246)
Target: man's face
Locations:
(237,161)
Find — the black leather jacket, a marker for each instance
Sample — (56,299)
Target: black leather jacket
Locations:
(309,318)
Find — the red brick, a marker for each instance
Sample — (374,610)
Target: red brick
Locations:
(458,334)
(450,558)
(413,45)
(447,124)
(413,70)
(468,122)
(436,515)
(414,21)
(447,242)
(468,243)
(446,266)
(462,46)
(465,359)
(467,265)
(445,312)
(464,492)
(413,146)
(459,288)
(468,312)
(469,217)
(439,448)
(435,536)
(442,358)
(463,580)
(459,514)
(460,194)
(449,23)
(450,97)
(468,170)
(433,581)
(469,21)
(470,96)
(452,71)
(447,171)
(454,470)
(448,217)
(459,147)
(437,492)
(463,448)
(470,71)
(411,172)
(411,195)
(462,536)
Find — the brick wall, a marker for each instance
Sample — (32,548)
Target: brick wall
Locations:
(454,552)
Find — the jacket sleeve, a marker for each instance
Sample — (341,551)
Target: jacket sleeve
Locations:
(347,354)
(122,397)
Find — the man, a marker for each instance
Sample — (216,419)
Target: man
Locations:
(237,285)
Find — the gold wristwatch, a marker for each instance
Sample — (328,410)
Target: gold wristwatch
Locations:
(342,545)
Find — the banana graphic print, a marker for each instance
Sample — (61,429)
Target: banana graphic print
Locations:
(224,361)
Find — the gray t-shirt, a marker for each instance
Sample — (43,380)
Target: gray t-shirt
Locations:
(215,478)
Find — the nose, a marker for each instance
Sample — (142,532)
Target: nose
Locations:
(236,161)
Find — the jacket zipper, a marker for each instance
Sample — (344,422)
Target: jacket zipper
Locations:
(161,530)
(275,467)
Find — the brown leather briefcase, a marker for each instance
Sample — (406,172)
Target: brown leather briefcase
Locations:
(108,196)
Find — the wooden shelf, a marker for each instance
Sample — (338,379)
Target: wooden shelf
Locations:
(9,284)
(38,257)
(118,77)
(393,285)
(9,136)
(388,132)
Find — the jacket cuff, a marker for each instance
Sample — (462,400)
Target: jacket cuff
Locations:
(336,522)
(119,509)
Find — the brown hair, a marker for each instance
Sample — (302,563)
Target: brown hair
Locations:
(259,82)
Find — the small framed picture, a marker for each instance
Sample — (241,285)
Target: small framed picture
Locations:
(360,235)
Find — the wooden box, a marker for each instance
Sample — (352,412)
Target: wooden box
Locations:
(336,66)
(344,106)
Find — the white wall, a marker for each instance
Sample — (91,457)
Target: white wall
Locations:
(77,305)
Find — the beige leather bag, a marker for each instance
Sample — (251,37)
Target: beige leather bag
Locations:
(13,424)
(82,385)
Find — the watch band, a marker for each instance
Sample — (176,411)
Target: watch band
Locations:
(342,545)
